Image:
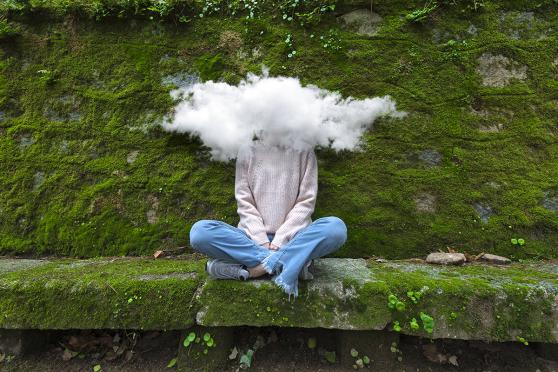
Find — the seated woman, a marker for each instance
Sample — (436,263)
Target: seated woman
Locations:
(275,189)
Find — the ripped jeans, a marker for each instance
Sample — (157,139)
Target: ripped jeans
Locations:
(218,239)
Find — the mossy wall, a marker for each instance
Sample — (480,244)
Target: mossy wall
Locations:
(85,169)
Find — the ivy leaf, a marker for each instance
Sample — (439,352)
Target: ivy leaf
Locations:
(330,356)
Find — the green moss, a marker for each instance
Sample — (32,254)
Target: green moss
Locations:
(470,302)
(103,293)
(106,88)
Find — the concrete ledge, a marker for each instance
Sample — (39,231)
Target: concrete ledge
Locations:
(475,301)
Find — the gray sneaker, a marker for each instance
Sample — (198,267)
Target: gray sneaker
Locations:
(222,269)
(306,272)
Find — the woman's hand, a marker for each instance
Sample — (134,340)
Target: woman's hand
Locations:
(271,247)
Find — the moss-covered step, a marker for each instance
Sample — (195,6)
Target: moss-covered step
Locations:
(516,302)
(98,293)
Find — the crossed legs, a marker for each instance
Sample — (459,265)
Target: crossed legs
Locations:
(220,240)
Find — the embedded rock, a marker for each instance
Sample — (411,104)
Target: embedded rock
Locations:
(499,71)
(442,258)
(495,259)
(362,21)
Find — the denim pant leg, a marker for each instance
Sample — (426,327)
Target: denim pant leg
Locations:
(324,236)
(218,239)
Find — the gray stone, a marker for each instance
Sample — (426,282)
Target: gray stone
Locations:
(362,21)
(132,156)
(491,128)
(550,202)
(484,211)
(495,259)
(443,258)
(25,141)
(430,157)
(151,214)
(498,70)
(38,179)
(523,25)
(180,80)
(472,30)
(426,202)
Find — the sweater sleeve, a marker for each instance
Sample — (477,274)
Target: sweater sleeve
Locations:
(250,217)
(305,202)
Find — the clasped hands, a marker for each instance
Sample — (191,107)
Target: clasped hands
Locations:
(270,246)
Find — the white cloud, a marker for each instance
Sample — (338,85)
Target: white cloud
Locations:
(279,110)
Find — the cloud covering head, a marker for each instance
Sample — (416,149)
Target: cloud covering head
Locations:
(277,110)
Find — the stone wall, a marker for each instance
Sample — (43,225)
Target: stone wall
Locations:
(87,171)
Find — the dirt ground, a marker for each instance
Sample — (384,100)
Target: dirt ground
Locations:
(276,349)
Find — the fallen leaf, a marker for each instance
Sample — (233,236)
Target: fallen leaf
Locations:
(172,363)
(129,355)
(68,354)
(453,360)
(233,354)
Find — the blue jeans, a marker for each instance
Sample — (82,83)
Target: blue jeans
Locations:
(218,239)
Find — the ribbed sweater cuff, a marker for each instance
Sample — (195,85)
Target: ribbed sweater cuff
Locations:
(260,238)
(279,241)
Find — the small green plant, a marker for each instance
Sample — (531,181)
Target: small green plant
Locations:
(452,50)
(7,29)
(312,343)
(172,363)
(414,296)
(394,349)
(522,340)
(395,304)
(330,356)
(331,40)
(314,16)
(289,43)
(45,76)
(210,67)
(453,315)
(420,15)
(414,324)
(518,241)
(359,362)
(427,322)
(206,341)
(97,368)
(396,326)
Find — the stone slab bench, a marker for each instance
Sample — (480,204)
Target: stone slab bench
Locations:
(474,301)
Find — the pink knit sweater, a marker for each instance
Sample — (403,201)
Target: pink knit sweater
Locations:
(276,190)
